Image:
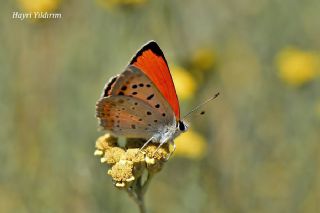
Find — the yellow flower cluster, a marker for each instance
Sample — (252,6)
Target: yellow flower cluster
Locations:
(129,163)
(297,67)
(39,5)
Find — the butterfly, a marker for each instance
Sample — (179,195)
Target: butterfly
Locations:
(141,102)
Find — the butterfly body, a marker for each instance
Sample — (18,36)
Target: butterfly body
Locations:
(141,102)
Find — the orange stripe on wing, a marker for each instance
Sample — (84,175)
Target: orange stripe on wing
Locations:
(151,61)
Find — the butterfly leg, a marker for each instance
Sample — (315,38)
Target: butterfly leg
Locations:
(174,149)
(174,146)
(145,144)
(158,148)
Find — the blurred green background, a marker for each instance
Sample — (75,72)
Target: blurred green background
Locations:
(261,151)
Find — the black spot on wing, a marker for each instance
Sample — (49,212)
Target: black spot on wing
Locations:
(150,97)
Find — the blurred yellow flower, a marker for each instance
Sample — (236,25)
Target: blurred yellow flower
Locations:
(39,5)
(184,83)
(203,59)
(190,144)
(297,67)
(114,3)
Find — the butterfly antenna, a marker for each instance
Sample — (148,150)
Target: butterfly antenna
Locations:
(200,105)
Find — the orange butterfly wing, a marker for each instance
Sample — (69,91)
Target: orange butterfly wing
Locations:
(151,61)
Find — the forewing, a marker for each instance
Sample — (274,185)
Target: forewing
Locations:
(151,61)
(134,83)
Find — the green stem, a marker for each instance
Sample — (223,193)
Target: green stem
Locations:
(138,200)
(137,192)
(146,184)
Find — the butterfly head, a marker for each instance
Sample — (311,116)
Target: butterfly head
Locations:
(180,127)
(170,132)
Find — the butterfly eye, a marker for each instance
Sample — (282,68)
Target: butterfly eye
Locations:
(182,126)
